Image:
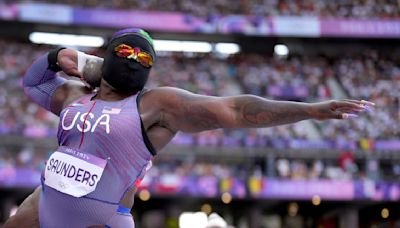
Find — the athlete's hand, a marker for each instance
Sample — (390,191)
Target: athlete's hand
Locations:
(339,109)
(68,61)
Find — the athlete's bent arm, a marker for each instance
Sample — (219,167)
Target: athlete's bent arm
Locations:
(40,82)
(46,88)
(188,112)
(52,92)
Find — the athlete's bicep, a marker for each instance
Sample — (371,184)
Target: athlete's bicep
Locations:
(184,111)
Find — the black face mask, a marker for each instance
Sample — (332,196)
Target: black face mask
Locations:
(123,74)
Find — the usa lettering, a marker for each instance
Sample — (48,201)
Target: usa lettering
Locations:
(91,126)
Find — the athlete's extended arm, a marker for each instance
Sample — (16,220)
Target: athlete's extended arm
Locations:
(188,112)
(46,88)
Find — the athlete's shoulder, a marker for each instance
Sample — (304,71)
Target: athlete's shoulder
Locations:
(165,92)
(68,93)
(160,98)
(157,93)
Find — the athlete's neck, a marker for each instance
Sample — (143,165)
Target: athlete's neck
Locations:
(108,93)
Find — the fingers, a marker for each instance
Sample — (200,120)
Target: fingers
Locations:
(367,103)
(71,69)
(354,111)
(350,100)
(68,61)
(348,116)
(75,72)
(360,102)
(353,105)
(348,109)
(344,116)
(339,105)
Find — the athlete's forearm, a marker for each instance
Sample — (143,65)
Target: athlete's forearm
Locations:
(40,82)
(253,111)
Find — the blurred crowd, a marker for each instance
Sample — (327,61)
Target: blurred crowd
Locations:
(18,115)
(374,78)
(345,167)
(27,157)
(367,76)
(210,8)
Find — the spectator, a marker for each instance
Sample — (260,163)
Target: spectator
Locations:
(209,8)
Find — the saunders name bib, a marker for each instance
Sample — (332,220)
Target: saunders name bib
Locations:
(73,172)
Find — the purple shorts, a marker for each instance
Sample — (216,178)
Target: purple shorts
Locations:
(60,210)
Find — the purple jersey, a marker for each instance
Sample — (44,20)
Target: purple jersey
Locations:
(109,130)
(97,139)
(112,131)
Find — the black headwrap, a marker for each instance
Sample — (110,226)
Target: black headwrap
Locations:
(127,75)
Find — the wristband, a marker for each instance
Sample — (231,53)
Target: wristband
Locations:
(52,59)
(82,59)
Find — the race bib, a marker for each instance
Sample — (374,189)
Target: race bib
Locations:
(73,172)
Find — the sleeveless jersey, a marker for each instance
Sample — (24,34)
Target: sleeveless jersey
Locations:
(110,130)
